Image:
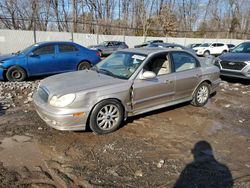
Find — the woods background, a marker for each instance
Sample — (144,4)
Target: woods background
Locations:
(161,18)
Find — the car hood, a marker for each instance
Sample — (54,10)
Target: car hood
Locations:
(200,48)
(235,56)
(74,82)
(7,57)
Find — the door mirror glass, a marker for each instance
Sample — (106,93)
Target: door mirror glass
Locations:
(32,54)
(147,75)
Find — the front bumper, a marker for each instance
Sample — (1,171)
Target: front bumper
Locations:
(60,118)
(238,72)
(234,74)
(1,73)
(199,52)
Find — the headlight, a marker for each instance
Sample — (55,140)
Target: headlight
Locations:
(62,101)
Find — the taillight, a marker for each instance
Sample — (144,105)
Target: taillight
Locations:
(98,54)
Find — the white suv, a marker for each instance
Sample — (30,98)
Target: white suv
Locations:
(211,48)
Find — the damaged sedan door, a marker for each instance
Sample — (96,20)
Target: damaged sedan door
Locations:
(154,86)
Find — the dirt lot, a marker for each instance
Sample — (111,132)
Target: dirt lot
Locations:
(160,149)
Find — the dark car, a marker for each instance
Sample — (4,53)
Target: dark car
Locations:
(170,45)
(235,63)
(108,47)
(193,45)
(46,58)
(148,43)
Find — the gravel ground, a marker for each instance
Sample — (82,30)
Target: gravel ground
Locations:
(180,146)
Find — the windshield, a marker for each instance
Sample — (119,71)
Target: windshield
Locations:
(205,45)
(242,48)
(104,43)
(120,64)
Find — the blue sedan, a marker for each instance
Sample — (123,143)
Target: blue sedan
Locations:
(46,58)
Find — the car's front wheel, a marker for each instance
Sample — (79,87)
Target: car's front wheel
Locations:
(84,65)
(201,94)
(106,116)
(16,74)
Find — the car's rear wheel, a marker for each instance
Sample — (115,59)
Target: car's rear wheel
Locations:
(201,94)
(206,53)
(16,74)
(84,65)
(106,117)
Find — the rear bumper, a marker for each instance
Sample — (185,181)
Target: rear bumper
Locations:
(60,118)
(215,85)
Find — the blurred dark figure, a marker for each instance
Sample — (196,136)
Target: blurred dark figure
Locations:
(204,171)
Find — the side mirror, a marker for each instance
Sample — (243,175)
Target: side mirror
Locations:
(147,75)
(33,55)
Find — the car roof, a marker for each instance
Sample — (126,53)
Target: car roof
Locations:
(55,42)
(168,44)
(148,50)
(247,42)
(154,40)
(112,41)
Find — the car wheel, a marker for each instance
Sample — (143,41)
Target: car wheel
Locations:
(206,53)
(16,74)
(106,117)
(201,95)
(224,52)
(83,65)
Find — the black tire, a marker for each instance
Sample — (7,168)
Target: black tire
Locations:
(201,95)
(16,74)
(103,120)
(83,65)
(206,53)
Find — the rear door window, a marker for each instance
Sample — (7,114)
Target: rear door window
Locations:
(67,48)
(220,44)
(183,61)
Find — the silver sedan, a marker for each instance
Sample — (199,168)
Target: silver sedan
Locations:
(127,83)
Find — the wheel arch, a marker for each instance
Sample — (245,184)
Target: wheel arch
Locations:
(6,69)
(207,50)
(205,80)
(83,60)
(104,99)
